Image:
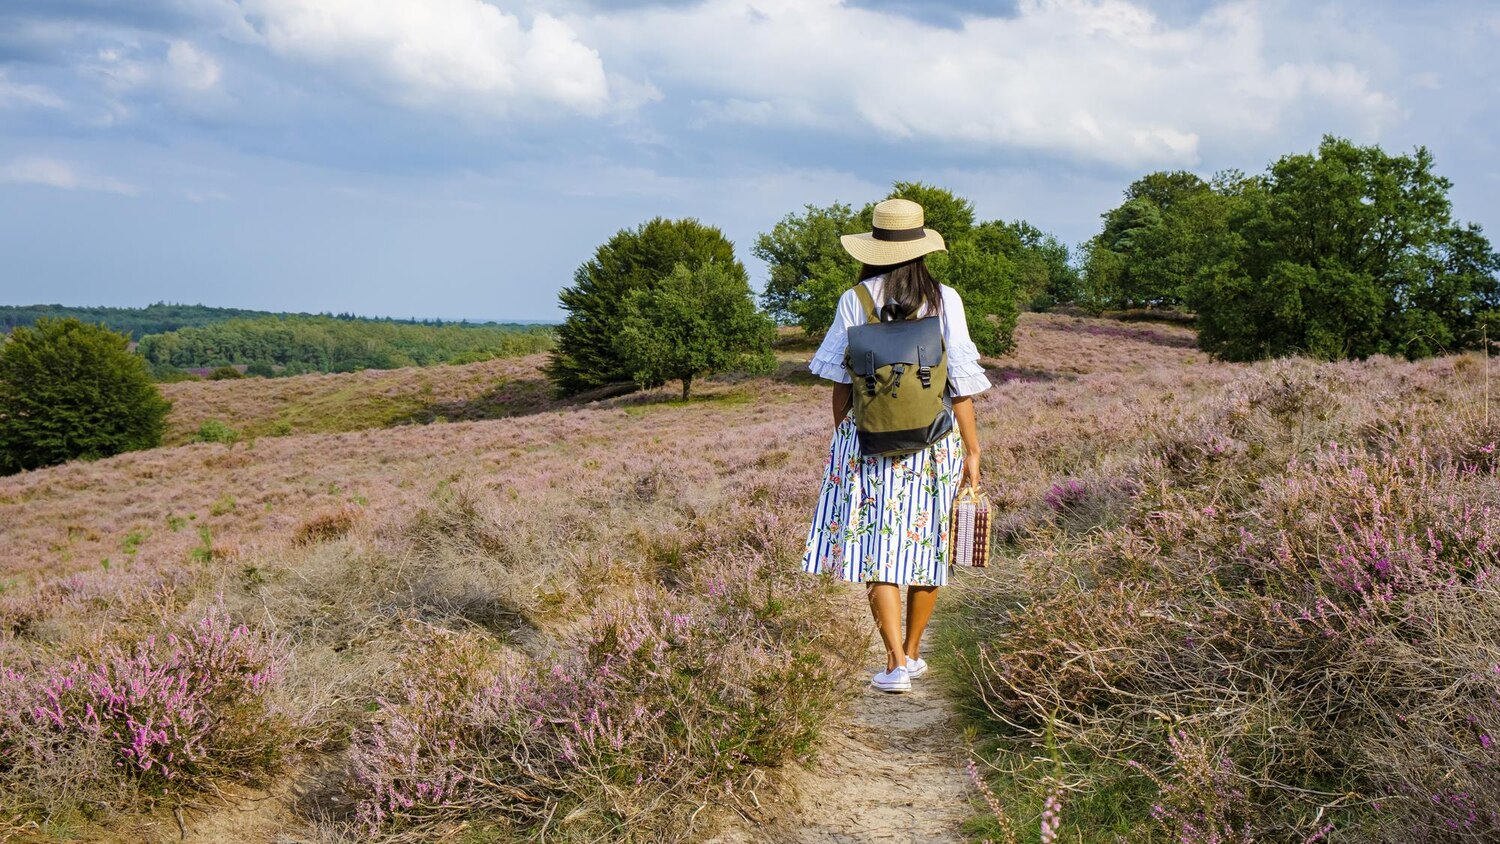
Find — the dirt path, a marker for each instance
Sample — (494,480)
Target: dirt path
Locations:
(894,772)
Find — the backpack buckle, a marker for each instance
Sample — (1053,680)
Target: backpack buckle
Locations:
(870,385)
(925,373)
(898,369)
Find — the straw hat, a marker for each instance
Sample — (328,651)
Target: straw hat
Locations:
(898,236)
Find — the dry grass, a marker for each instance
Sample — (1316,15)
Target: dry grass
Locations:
(354,401)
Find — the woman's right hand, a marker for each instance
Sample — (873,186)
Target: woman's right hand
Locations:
(971,471)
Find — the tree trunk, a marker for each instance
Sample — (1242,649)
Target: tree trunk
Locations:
(687,386)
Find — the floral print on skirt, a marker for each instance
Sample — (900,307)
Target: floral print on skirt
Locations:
(884,519)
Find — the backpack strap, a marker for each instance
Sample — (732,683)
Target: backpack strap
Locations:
(867,302)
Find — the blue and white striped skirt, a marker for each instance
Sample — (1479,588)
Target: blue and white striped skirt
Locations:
(885,519)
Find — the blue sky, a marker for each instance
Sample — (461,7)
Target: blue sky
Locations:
(460,158)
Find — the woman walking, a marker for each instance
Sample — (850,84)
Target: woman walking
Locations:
(883,521)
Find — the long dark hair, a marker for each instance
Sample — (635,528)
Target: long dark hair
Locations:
(909,283)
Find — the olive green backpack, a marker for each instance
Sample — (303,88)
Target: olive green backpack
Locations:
(899,370)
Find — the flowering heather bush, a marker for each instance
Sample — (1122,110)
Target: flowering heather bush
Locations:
(142,587)
(665,701)
(1202,801)
(1310,593)
(1051,816)
(165,714)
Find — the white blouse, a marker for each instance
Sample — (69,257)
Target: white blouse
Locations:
(965,374)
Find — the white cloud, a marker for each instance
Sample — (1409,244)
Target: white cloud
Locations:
(190,68)
(56,173)
(17,93)
(1098,80)
(464,56)
(200,196)
(119,67)
(184,69)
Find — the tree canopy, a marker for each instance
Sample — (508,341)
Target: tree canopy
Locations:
(70,390)
(994,265)
(1344,252)
(693,323)
(586,354)
(806,263)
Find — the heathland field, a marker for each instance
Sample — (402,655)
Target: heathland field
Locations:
(437,604)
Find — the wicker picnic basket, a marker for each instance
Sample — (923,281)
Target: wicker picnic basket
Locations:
(969,531)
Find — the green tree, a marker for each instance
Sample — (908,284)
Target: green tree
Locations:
(1041,268)
(942,210)
(804,257)
(70,390)
(691,324)
(1348,252)
(586,354)
(1153,243)
(986,282)
(993,265)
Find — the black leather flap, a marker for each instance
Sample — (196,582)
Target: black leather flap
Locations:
(880,344)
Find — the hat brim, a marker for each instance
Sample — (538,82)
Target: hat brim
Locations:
(882,253)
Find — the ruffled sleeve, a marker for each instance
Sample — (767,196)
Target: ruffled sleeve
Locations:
(828,361)
(965,375)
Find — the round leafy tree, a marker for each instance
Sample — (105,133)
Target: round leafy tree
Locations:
(995,265)
(586,354)
(69,390)
(694,323)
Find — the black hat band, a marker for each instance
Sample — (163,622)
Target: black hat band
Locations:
(898,235)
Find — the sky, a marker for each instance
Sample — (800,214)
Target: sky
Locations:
(461,158)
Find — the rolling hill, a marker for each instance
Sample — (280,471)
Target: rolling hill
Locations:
(423,559)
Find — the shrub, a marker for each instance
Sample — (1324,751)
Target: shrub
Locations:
(1307,606)
(325,527)
(142,719)
(663,703)
(225,373)
(140,587)
(215,431)
(168,374)
(70,390)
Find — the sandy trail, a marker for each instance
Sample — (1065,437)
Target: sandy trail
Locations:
(892,773)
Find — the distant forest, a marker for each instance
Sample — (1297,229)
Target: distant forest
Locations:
(291,345)
(177,340)
(162,317)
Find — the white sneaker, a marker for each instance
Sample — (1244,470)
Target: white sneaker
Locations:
(895,680)
(916,667)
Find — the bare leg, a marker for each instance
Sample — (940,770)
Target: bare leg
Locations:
(885,604)
(919,603)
